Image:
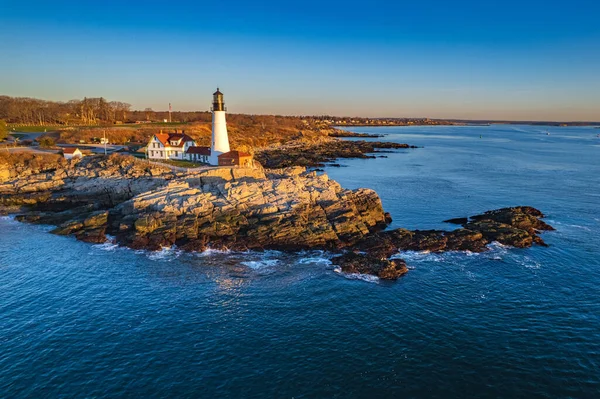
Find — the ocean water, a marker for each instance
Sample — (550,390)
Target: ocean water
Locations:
(81,320)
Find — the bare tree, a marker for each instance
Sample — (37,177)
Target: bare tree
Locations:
(148,112)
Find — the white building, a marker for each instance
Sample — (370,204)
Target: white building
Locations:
(198,154)
(169,146)
(177,146)
(220,140)
(72,152)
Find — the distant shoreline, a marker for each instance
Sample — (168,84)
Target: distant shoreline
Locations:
(471,123)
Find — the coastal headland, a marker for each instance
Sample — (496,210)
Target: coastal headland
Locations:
(147,206)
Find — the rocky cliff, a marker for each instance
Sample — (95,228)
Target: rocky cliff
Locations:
(147,206)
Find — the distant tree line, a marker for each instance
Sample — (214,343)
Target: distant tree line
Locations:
(89,111)
(98,111)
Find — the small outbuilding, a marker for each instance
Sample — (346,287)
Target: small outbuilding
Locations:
(72,152)
(198,154)
(235,158)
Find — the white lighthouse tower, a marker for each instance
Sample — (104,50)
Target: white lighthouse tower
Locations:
(220,141)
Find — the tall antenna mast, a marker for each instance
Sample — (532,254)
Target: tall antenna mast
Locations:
(169,112)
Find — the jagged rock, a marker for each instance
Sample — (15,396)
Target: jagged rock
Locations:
(96,220)
(68,228)
(325,151)
(286,211)
(89,228)
(387,269)
(457,220)
(517,227)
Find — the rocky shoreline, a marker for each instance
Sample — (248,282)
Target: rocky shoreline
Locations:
(348,134)
(517,227)
(322,152)
(144,206)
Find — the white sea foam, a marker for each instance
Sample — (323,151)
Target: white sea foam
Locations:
(527,262)
(107,246)
(357,276)
(260,264)
(497,245)
(271,253)
(166,254)
(580,227)
(427,256)
(569,225)
(418,256)
(317,260)
(213,252)
(496,251)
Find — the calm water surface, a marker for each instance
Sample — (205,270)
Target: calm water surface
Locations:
(81,320)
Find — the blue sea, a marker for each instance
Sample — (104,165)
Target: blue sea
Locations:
(81,320)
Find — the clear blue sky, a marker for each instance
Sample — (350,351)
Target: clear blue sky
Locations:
(440,59)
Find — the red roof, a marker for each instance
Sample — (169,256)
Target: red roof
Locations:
(165,138)
(198,150)
(69,150)
(234,154)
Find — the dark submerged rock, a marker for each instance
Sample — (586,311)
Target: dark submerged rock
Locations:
(517,227)
(386,269)
(457,221)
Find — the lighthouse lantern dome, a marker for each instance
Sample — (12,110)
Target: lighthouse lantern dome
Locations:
(218,103)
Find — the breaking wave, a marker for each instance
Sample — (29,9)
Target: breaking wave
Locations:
(317,259)
(260,264)
(496,251)
(213,252)
(357,276)
(109,245)
(165,254)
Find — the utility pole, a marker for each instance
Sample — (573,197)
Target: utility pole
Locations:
(104,131)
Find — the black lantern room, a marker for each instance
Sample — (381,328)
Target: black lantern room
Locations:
(218,104)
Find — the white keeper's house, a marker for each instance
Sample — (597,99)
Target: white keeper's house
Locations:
(178,146)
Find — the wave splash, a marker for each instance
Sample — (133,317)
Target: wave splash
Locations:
(167,254)
(357,276)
